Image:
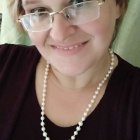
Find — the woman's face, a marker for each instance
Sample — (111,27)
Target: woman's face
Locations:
(72,49)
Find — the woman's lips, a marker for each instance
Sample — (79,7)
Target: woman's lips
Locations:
(69,47)
(68,50)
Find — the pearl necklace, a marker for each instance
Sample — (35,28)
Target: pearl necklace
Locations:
(92,101)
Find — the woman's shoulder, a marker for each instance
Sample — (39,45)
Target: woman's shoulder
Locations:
(17,52)
(15,58)
(127,68)
(17,64)
(16,49)
(17,72)
(127,76)
(131,74)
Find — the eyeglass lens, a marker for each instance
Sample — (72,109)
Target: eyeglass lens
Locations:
(76,14)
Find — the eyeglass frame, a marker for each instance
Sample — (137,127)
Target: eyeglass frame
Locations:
(51,14)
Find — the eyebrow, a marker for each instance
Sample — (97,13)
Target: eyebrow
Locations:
(31,2)
(27,2)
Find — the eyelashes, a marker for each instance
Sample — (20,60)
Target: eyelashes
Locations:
(38,9)
(76,1)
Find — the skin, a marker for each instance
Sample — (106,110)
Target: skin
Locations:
(98,34)
(74,73)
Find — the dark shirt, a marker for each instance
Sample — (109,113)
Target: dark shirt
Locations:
(117,116)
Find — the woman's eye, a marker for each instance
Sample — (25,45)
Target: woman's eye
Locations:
(78,1)
(39,9)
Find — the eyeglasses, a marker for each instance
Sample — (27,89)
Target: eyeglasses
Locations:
(75,14)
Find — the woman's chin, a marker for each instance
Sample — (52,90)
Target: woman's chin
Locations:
(70,70)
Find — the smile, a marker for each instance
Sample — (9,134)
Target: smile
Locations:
(69,50)
(69,47)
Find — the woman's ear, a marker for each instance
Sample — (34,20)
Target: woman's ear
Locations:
(119,11)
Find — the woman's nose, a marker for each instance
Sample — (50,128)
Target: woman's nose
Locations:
(61,29)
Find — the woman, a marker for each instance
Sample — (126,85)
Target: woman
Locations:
(70,85)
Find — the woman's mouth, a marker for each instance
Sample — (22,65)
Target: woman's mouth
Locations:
(69,49)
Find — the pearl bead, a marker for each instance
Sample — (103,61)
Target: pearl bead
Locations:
(94,96)
(42,108)
(43,128)
(42,124)
(85,114)
(42,113)
(80,123)
(100,84)
(78,128)
(44,134)
(75,133)
(83,119)
(42,118)
(92,101)
(90,105)
(44,94)
(43,99)
(72,137)
(44,90)
(47,138)
(87,109)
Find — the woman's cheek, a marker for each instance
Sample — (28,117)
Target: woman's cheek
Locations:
(38,38)
(99,31)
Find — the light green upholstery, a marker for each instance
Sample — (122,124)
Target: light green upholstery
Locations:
(127,43)
(9,33)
